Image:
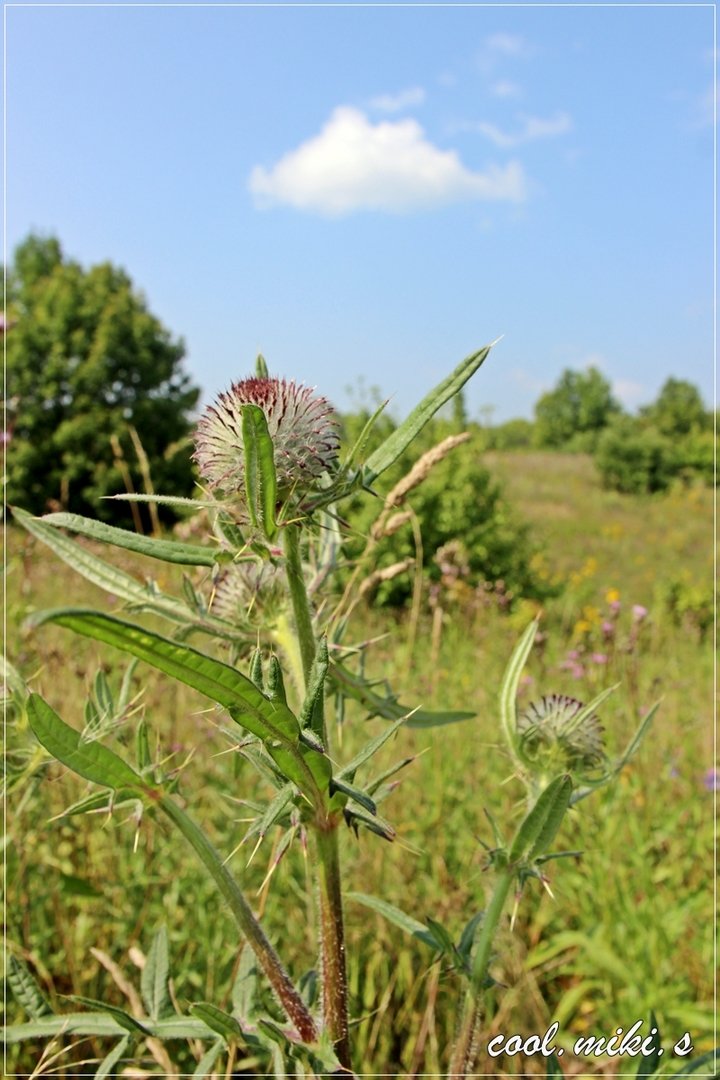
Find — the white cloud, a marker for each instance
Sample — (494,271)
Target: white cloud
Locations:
(498,47)
(504,88)
(506,45)
(532,127)
(353,164)
(414,95)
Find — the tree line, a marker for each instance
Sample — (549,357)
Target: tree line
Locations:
(99,402)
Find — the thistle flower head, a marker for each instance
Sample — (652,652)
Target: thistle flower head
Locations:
(251,591)
(554,734)
(302,427)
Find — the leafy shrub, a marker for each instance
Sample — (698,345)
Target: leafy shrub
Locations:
(635,460)
(512,435)
(581,404)
(458,500)
(97,392)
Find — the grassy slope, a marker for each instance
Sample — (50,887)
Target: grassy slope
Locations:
(630,928)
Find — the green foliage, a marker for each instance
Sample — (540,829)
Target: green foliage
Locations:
(635,460)
(86,362)
(678,409)
(459,503)
(516,434)
(636,457)
(580,405)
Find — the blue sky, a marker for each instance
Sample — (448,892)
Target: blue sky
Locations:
(371,193)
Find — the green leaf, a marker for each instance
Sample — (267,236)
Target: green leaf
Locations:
(89,759)
(261,368)
(360,443)
(216,680)
(369,750)
(25,989)
(336,784)
(403,435)
(274,812)
(711,1059)
(245,987)
(271,721)
(468,935)
(100,800)
(397,917)
(102,1024)
(206,1062)
(260,477)
(537,832)
(104,575)
(219,1021)
(509,688)
(171,551)
(72,885)
(154,982)
(311,713)
(355,815)
(108,1063)
(354,686)
(552,1069)
(124,1019)
(648,1066)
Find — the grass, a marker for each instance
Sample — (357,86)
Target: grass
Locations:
(630,927)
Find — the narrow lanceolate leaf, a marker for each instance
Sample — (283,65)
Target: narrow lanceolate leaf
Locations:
(108,1063)
(91,760)
(102,1024)
(218,681)
(403,435)
(124,1019)
(154,982)
(221,1022)
(336,784)
(353,686)
(167,550)
(25,989)
(104,575)
(509,687)
(369,750)
(271,721)
(358,447)
(538,830)
(397,917)
(260,478)
(207,1061)
(311,713)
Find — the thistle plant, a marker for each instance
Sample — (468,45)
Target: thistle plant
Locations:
(268,453)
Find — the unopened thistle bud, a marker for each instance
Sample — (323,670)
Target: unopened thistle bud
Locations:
(553,739)
(301,425)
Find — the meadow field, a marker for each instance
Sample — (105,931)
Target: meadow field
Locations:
(628,925)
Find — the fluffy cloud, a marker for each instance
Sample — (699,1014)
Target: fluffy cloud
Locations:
(506,45)
(532,127)
(414,95)
(356,165)
(504,88)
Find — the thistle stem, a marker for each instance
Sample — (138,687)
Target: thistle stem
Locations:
(268,959)
(299,598)
(464,1051)
(332,953)
(332,932)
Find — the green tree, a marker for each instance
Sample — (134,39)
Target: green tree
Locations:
(678,410)
(574,413)
(88,364)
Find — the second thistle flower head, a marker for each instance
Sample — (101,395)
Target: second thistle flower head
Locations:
(301,425)
(557,732)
